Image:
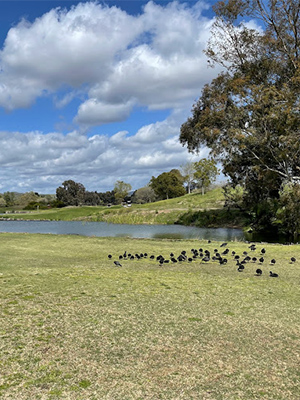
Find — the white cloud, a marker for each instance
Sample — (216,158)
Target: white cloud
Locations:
(112,63)
(74,48)
(94,112)
(41,162)
(154,59)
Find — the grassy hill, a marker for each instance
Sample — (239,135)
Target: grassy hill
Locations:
(161,212)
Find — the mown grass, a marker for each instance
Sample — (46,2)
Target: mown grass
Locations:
(161,212)
(74,326)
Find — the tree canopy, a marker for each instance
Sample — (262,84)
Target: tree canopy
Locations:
(121,190)
(206,173)
(249,114)
(168,185)
(71,193)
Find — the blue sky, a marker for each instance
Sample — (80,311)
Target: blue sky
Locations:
(97,91)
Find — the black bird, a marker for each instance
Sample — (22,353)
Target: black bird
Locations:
(293,259)
(223,261)
(258,272)
(223,244)
(206,259)
(254,259)
(117,264)
(152,257)
(109,256)
(261,260)
(263,251)
(273,261)
(273,275)
(240,267)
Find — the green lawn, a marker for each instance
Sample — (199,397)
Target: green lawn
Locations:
(161,212)
(74,326)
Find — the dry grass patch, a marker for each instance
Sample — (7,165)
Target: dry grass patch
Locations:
(74,326)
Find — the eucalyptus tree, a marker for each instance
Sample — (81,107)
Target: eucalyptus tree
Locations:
(71,193)
(249,114)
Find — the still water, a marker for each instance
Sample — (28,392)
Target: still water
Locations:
(134,231)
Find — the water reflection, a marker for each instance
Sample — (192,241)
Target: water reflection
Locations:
(121,230)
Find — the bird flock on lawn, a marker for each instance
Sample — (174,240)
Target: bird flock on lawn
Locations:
(218,256)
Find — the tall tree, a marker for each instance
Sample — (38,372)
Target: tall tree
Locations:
(144,195)
(71,193)
(188,171)
(10,198)
(168,185)
(121,190)
(206,173)
(249,115)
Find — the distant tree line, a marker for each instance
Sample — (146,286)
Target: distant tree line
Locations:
(167,185)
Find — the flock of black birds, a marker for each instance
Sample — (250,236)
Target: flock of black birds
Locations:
(217,256)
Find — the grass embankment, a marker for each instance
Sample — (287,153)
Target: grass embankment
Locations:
(74,326)
(192,209)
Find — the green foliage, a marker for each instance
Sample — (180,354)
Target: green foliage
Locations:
(234,196)
(206,173)
(144,195)
(214,218)
(289,211)
(188,171)
(28,197)
(35,205)
(249,115)
(9,198)
(121,191)
(168,185)
(71,193)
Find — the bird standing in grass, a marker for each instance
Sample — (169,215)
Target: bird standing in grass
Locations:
(240,268)
(273,275)
(117,264)
(258,272)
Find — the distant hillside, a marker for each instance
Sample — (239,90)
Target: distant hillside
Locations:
(161,212)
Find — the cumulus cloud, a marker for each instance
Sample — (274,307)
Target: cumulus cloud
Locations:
(111,62)
(74,48)
(94,112)
(154,59)
(43,161)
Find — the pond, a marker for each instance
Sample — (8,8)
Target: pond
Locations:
(125,230)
